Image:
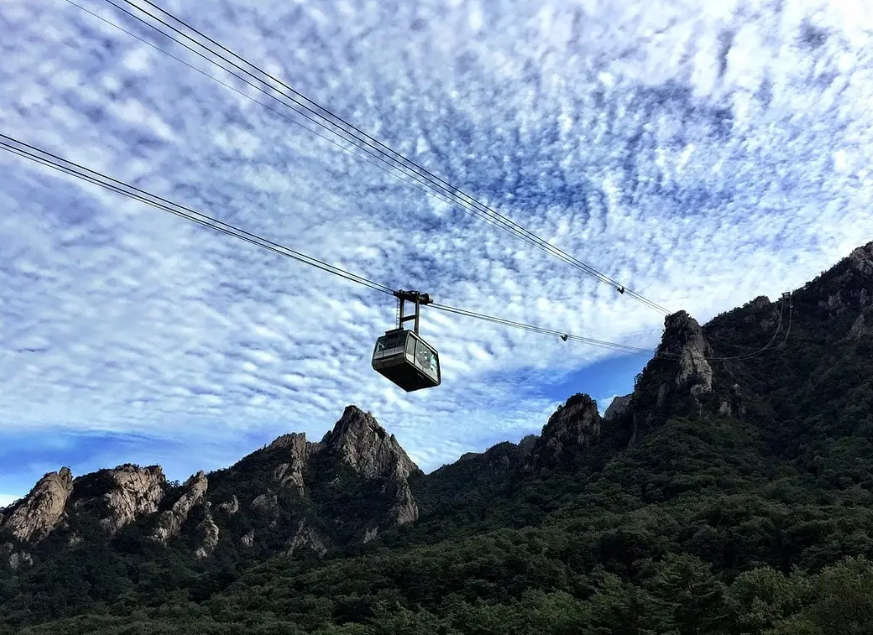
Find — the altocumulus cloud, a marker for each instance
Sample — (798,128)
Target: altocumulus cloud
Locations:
(702,153)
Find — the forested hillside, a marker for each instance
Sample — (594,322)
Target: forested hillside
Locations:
(733,494)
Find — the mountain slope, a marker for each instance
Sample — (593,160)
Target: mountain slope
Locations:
(725,496)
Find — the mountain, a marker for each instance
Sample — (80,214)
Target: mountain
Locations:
(730,493)
(289,496)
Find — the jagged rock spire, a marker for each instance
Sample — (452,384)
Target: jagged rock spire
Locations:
(359,441)
(617,408)
(296,450)
(132,492)
(365,445)
(170,521)
(683,338)
(574,425)
(42,509)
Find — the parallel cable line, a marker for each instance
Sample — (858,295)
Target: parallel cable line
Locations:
(383,165)
(48,159)
(318,110)
(399,175)
(328,120)
(544,331)
(92,176)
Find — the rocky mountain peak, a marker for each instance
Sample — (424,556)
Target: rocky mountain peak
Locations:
(120,496)
(42,509)
(861,259)
(295,442)
(683,339)
(678,378)
(576,424)
(294,450)
(170,521)
(617,407)
(360,442)
(846,287)
(365,446)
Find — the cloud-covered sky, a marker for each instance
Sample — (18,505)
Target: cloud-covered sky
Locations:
(701,153)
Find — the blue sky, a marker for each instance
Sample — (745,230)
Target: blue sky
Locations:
(702,153)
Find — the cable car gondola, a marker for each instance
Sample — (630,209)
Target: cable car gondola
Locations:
(402,356)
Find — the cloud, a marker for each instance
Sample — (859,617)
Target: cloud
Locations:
(701,154)
(7,499)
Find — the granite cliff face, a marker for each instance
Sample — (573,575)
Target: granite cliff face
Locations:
(290,472)
(113,498)
(684,341)
(678,379)
(617,407)
(120,496)
(39,513)
(362,444)
(170,521)
(847,288)
(573,427)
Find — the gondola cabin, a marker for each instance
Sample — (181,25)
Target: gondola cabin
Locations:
(407,360)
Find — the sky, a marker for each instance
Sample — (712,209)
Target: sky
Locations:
(702,154)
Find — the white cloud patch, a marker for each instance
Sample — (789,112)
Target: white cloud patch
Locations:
(7,499)
(702,153)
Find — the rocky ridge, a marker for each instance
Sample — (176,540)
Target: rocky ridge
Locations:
(278,500)
(360,442)
(281,473)
(366,447)
(290,473)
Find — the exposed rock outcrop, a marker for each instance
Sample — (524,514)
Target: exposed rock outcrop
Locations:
(170,521)
(365,445)
(230,507)
(360,442)
(862,326)
(404,510)
(617,408)
(248,539)
(290,473)
(679,379)
(847,285)
(734,404)
(12,558)
(128,492)
(208,532)
(370,534)
(684,339)
(861,259)
(306,538)
(42,509)
(20,558)
(266,504)
(574,425)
